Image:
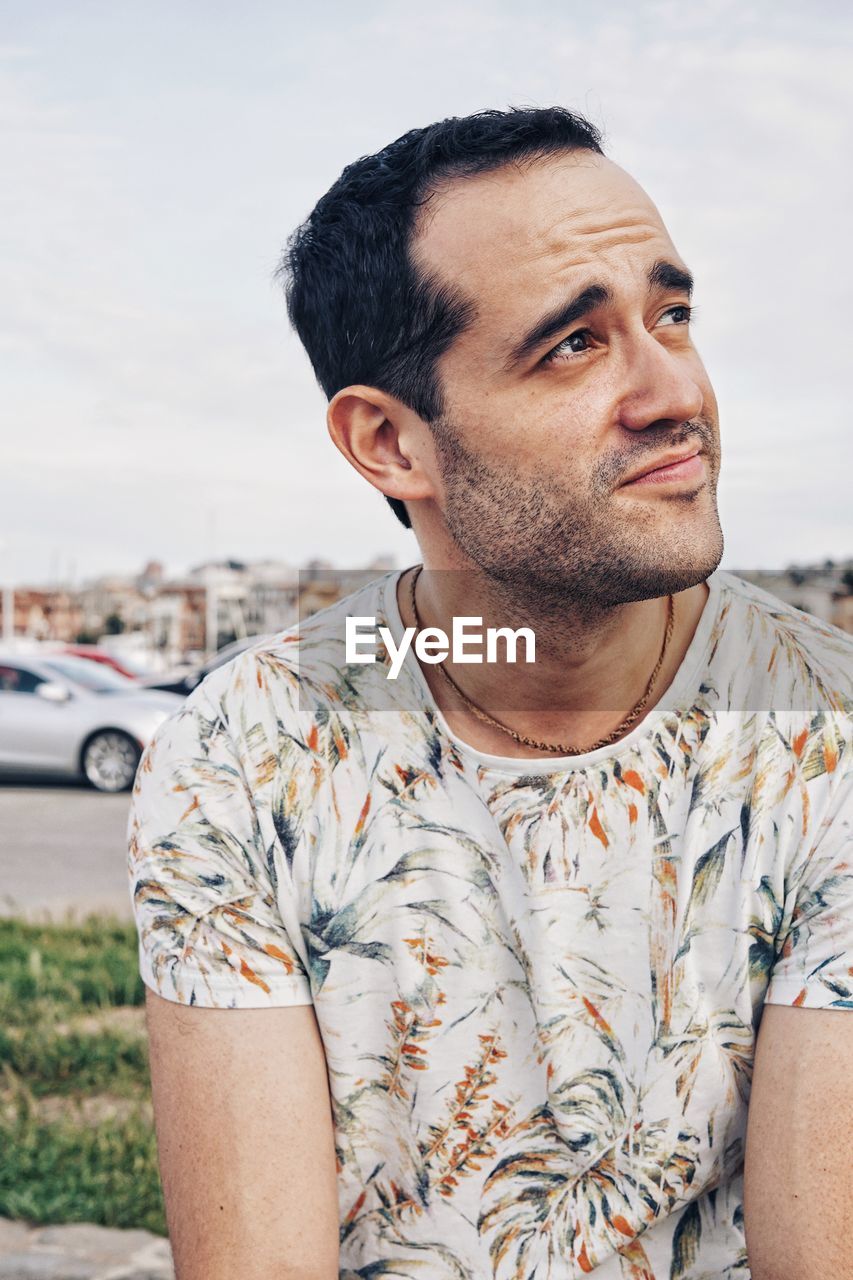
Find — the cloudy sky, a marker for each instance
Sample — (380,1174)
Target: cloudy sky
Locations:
(156,155)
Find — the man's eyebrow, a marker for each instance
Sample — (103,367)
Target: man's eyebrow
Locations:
(666,275)
(662,275)
(594,295)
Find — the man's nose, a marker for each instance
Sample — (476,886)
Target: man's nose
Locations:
(659,388)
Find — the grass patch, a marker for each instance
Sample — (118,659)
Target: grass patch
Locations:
(76,1135)
(76,1062)
(66,1171)
(69,967)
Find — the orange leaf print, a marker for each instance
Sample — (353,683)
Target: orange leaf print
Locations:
(363,815)
(632,813)
(313,738)
(279,955)
(830,757)
(601,1022)
(186,813)
(621,1225)
(633,779)
(354,1210)
(799,742)
(801,997)
(583,1259)
(597,829)
(251,976)
(637,1258)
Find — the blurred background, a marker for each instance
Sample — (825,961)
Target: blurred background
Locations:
(168,490)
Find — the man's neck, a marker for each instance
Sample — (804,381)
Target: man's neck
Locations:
(591,669)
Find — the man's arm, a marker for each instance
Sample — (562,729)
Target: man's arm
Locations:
(798,1176)
(245,1134)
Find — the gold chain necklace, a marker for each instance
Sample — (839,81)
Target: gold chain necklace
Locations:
(559,748)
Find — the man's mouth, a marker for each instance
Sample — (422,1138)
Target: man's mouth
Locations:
(671,468)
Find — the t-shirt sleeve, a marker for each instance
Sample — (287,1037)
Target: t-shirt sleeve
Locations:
(814,957)
(202,884)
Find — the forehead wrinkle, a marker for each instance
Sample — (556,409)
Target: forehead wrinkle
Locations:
(568,222)
(561,241)
(528,247)
(572,262)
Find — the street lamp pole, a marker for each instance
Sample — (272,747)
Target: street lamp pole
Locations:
(211,618)
(8,602)
(8,612)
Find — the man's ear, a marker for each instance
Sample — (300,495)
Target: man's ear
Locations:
(385,441)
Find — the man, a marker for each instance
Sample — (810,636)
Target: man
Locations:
(460,975)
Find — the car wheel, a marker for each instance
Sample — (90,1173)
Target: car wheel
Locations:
(110,758)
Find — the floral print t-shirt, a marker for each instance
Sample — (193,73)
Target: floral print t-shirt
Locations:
(538,982)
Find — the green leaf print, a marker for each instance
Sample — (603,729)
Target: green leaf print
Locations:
(763,931)
(706,880)
(429,1261)
(685,1242)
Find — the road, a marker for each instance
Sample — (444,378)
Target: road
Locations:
(62,850)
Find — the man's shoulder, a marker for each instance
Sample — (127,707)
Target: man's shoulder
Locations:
(302,669)
(773,642)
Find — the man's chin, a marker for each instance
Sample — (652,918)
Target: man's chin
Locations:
(663,570)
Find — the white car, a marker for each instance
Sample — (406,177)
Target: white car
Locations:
(64,715)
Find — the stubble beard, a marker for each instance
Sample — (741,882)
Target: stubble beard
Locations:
(544,544)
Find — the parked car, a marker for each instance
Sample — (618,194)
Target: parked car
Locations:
(183,682)
(68,716)
(95,654)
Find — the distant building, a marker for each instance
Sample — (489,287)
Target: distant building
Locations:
(150,577)
(165,622)
(43,613)
(815,588)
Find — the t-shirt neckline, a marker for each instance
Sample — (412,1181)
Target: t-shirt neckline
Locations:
(683,689)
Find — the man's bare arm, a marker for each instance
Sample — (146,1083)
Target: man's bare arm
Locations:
(246,1141)
(798,1175)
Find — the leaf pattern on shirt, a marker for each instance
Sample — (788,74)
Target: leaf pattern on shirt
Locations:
(538,987)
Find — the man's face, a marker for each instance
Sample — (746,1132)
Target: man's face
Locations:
(543,432)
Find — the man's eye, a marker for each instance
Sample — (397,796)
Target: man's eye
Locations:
(679,315)
(569,346)
(578,342)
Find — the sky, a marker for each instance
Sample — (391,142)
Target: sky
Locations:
(156,156)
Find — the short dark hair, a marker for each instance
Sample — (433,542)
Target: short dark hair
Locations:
(362,308)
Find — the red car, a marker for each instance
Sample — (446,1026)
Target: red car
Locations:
(94,654)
